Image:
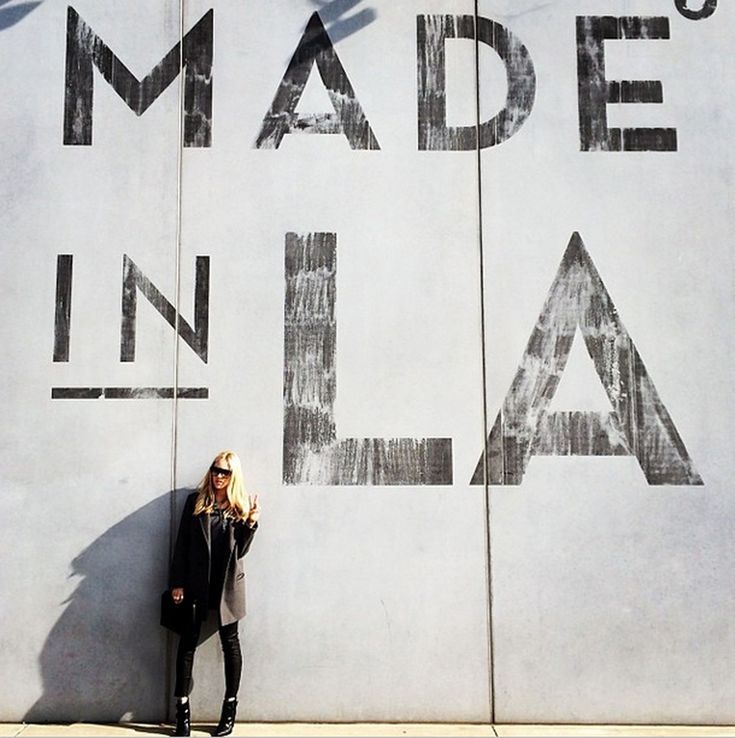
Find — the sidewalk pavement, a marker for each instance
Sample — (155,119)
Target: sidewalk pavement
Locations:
(361,730)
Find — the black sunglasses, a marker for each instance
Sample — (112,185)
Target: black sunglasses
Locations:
(219,471)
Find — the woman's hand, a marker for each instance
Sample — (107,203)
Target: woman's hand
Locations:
(177,595)
(253,512)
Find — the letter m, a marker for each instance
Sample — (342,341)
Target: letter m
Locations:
(84,48)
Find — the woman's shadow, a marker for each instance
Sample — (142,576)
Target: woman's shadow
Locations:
(107,658)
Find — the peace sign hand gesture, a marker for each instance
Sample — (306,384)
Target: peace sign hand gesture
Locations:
(254,511)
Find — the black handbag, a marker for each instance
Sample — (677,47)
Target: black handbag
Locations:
(179,617)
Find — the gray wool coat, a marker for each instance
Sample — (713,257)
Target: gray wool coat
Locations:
(190,566)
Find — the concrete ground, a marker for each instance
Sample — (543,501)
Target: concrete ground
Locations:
(363,730)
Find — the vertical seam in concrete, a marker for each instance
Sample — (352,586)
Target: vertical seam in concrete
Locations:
(488,544)
(177,259)
(177,263)
(22,728)
(177,304)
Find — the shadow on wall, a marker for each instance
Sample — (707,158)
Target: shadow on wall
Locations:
(105,658)
(15,13)
(339,25)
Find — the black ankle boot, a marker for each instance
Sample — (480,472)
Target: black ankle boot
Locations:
(227,720)
(183,719)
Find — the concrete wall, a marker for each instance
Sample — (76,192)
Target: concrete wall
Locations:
(358,312)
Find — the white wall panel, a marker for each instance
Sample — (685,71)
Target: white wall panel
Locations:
(365,602)
(86,529)
(611,591)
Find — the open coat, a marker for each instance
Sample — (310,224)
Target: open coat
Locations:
(190,567)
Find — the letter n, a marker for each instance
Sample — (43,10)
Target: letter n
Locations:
(85,49)
(133,280)
(639,424)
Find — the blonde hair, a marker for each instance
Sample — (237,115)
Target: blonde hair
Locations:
(237,504)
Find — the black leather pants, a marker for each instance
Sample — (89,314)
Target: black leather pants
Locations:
(228,635)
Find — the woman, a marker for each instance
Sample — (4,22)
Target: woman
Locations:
(217,527)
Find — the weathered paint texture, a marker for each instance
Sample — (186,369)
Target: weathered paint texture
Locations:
(129,393)
(85,49)
(197,338)
(432,31)
(595,92)
(348,118)
(62,317)
(312,452)
(638,425)
(705,10)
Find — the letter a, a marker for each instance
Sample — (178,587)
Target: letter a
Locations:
(639,424)
(316,47)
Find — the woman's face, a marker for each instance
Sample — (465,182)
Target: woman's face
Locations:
(220,473)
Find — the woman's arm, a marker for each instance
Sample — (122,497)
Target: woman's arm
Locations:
(244,535)
(245,529)
(177,575)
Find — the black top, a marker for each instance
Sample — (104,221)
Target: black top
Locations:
(220,554)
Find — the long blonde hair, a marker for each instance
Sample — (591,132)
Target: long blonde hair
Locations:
(237,505)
